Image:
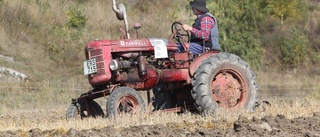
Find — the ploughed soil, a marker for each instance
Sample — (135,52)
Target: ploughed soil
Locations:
(266,126)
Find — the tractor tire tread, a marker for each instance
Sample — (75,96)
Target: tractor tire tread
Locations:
(203,98)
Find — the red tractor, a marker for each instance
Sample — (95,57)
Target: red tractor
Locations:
(179,81)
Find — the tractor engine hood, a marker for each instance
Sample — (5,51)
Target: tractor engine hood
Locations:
(133,45)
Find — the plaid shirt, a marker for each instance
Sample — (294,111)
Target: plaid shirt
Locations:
(207,24)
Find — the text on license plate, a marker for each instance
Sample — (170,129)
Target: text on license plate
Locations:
(90,66)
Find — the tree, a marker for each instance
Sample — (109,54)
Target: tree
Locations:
(238,27)
(287,10)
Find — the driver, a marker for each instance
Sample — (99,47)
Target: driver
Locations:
(204,32)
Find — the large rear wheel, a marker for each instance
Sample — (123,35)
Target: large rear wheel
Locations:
(224,81)
(124,100)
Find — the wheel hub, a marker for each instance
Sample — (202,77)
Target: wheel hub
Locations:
(227,89)
(127,104)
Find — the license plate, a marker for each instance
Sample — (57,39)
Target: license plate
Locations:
(90,66)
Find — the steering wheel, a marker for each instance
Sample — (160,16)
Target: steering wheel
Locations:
(179,33)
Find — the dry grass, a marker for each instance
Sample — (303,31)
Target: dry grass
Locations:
(53,117)
(35,33)
(15,96)
(30,105)
(295,79)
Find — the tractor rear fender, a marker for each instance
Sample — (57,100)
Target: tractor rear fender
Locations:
(197,61)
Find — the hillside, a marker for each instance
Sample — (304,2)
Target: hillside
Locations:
(45,39)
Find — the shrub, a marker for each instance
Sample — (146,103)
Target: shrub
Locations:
(293,47)
(81,1)
(76,19)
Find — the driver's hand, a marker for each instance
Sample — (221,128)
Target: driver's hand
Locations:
(187,46)
(187,27)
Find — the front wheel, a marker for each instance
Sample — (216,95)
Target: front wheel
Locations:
(224,81)
(84,109)
(124,100)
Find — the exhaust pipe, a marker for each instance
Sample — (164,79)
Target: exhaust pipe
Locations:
(121,14)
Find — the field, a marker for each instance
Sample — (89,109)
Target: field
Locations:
(45,39)
(296,120)
(294,111)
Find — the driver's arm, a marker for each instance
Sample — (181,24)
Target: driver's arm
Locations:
(207,24)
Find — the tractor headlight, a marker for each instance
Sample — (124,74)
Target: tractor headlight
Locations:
(114,65)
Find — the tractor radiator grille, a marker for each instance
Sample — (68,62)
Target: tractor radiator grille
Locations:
(96,52)
(99,60)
